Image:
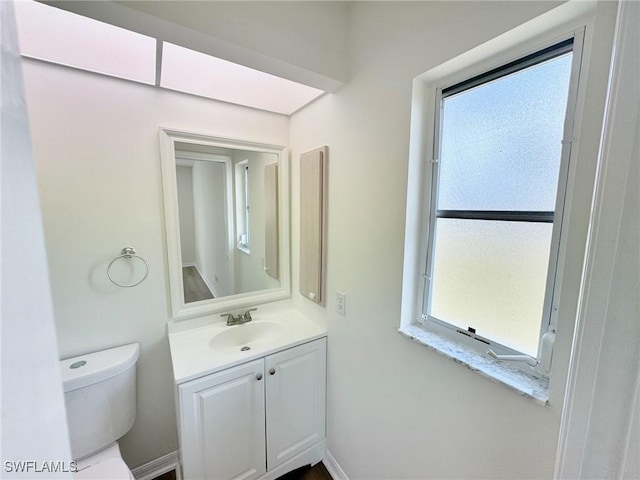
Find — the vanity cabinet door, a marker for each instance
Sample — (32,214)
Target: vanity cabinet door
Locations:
(296,399)
(223,424)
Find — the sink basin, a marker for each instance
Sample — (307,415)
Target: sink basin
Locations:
(200,347)
(246,337)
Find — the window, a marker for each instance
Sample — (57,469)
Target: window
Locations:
(58,36)
(242,205)
(227,81)
(499,178)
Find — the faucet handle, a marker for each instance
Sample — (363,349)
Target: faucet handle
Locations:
(231,318)
(247,313)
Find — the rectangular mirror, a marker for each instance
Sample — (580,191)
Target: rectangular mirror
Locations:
(226,214)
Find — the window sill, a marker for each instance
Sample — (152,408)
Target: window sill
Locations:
(527,385)
(244,250)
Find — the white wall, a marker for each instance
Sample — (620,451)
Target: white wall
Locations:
(95,142)
(396,409)
(32,404)
(211,236)
(184,179)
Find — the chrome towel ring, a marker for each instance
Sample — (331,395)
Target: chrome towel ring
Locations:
(128,252)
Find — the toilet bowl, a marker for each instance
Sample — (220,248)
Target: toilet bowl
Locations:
(100,398)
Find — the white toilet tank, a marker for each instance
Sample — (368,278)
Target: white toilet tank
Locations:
(100,396)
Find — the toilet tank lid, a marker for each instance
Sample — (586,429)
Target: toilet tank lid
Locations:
(83,370)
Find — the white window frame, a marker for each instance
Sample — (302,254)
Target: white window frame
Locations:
(243,218)
(425,145)
(548,323)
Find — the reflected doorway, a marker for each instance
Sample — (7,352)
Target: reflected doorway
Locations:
(227,210)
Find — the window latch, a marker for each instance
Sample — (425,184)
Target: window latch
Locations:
(513,358)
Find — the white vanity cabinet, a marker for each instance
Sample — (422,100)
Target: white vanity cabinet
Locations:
(259,419)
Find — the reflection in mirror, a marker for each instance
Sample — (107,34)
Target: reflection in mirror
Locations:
(222,206)
(224,236)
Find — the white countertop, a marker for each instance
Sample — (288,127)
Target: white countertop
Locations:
(193,357)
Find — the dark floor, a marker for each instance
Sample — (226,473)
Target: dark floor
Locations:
(194,287)
(167,476)
(317,472)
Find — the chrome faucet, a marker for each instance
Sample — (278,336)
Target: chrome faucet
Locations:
(240,318)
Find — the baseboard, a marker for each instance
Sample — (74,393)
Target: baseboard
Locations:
(189,264)
(207,283)
(333,468)
(157,467)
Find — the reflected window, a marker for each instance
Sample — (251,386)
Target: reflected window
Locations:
(243,219)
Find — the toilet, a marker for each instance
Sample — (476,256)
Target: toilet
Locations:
(100,398)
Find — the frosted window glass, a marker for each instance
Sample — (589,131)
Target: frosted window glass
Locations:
(491,275)
(57,36)
(501,141)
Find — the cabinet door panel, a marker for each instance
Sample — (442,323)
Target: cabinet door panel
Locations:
(296,398)
(223,427)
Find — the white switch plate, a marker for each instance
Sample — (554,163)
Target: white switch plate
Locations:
(341,303)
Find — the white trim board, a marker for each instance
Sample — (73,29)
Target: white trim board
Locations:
(157,467)
(602,385)
(332,466)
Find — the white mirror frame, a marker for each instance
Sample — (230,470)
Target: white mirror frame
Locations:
(180,309)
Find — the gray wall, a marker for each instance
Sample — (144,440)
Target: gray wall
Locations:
(184,179)
(211,237)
